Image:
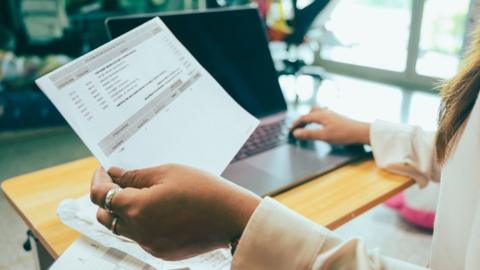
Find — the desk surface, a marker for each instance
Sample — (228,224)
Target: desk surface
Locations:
(330,200)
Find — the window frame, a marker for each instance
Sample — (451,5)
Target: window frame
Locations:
(409,78)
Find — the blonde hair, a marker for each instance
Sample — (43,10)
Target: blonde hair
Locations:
(458,98)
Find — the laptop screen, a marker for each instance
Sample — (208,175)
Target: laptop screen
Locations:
(232,45)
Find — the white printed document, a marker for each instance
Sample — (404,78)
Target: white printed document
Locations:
(85,253)
(138,101)
(143,100)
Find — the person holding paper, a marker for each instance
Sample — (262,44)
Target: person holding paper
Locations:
(177,212)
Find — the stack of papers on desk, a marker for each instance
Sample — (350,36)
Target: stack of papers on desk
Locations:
(85,253)
(80,214)
(138,101)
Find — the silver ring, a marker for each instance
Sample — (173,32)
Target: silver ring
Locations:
(109,198)
(113,228)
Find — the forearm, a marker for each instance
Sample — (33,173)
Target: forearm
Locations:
(362,132)
(278,238)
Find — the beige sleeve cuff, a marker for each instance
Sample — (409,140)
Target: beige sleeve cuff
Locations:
(278,238)
(404,149)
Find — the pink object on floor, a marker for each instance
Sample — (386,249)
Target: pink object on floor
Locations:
(418,217)
(396,202)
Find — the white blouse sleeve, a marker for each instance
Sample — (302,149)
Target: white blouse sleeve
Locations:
(406,150)
(278,238)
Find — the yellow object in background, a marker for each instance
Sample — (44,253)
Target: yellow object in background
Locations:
(279,12)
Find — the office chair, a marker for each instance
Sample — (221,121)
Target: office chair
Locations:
(293,64)
(300,24)
(303,20)
(292,32)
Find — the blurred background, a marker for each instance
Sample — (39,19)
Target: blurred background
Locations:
(411,44)
(368,59)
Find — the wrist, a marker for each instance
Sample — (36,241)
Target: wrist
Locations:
(363,133)
(244,211)
(243,220)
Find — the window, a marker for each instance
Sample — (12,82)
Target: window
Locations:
(423,108)
(369,32)
(442,37)
(411,43)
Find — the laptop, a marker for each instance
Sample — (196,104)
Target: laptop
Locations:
(232,45)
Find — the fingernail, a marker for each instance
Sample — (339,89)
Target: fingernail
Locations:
(297,132)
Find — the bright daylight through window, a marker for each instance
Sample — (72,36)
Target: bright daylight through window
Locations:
(405,40)
(370,33)
(442,37)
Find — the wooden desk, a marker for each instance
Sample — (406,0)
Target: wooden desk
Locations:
(330,200)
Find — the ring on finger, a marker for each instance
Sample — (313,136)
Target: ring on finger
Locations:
(113,227)
(109,197)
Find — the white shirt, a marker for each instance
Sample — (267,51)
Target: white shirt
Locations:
(278,238)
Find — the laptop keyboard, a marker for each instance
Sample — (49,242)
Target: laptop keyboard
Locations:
(264,138)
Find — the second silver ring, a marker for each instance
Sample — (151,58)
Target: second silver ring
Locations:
(113,227)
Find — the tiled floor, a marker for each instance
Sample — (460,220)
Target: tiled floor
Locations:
(380,227)
(21,153)
(12,230)
(383,229)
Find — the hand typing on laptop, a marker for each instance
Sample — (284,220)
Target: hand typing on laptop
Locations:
(335,128)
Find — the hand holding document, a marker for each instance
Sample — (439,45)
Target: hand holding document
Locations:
(139,101)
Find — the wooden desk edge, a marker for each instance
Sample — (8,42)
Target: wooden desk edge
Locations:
(29,224)
(5,187)
(332,226)
(341,221)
